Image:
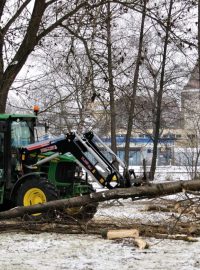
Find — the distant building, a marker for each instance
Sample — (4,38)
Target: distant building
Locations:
(193,82)
(190,101)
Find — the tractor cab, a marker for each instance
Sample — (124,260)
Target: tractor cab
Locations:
(16,130)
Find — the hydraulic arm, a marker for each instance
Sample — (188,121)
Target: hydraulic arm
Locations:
(96,158)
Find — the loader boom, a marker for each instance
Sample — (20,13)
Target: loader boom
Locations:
(96,158)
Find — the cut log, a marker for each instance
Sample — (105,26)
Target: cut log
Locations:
(136,193)
(119,234)
(140,243)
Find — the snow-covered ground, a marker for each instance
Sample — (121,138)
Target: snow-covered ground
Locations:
(167,173)
(49,251)
(59,251)
(130,211)
(52,251)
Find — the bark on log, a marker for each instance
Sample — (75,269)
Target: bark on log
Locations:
(158,208)
(176,237)
(136,193)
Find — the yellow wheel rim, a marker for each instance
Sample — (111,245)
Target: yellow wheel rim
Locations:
(34,196)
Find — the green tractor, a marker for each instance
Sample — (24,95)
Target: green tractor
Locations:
(58,178)
(36,171)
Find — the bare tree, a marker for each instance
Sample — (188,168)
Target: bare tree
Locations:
(135,85)
(37,19)
(156,131)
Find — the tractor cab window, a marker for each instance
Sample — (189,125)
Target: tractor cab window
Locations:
(20,133)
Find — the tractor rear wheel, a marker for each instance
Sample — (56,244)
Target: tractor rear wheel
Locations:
(36,191)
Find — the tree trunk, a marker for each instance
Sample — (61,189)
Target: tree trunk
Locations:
(111,87)
(29,42)
(32,35)
(136,193)
(199,44)
(134,88)
(156,135)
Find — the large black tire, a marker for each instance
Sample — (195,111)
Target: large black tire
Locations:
(34,191)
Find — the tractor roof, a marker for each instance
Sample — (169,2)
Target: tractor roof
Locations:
(7,116)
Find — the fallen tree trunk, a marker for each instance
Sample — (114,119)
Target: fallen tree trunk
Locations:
(101,227)
(136,193)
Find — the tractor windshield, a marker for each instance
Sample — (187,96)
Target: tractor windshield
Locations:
(20,133)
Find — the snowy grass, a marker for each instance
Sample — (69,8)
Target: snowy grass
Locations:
(52,251)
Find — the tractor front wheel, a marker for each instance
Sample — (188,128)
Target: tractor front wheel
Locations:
(36,191)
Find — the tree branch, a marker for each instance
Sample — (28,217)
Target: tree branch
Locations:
(15,16)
